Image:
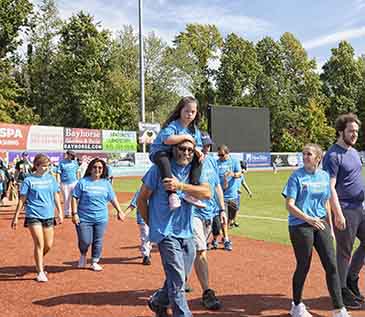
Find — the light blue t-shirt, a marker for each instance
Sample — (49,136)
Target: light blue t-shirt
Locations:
(229,165)
(310,191)
(164,222)
(174,128)
(39,191)
(68,170)
(133,203)
(93,199)
(210,164)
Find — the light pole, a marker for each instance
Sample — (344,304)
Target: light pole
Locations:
(141,64)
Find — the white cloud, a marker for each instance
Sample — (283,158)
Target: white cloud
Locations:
(335,38)
(165,18)
(359,4)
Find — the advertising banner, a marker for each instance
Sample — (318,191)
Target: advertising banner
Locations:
(13,136)
(258,159)
(45,138)
(122,141)
(287,159)
(14,156)
(82,139)
(148,132)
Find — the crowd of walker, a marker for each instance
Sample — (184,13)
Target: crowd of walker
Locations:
(188,196)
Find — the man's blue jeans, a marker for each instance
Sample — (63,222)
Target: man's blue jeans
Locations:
(91,234)
(177,257)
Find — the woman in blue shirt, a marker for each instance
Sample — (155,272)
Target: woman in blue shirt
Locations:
(40,195)
(90,211)
(307,196)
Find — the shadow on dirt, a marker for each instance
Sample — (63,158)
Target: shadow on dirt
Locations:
(233,305)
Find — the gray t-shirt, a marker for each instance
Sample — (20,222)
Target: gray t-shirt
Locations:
(345,165)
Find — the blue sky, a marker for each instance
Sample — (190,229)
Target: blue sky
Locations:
(318,24)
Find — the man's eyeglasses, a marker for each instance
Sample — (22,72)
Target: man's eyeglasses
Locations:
(185,149)
(97,167)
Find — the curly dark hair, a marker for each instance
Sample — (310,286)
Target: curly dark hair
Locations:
(343,120)
(104,174)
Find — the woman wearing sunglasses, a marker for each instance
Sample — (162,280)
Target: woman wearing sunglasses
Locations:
(90,211)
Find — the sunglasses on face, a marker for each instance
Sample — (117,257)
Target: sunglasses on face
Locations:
(221,154)
(185,149)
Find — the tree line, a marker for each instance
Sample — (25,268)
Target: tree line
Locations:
(76,73)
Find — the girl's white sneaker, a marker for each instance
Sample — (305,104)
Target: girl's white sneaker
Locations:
(41,277)
(341,313)
(299,310)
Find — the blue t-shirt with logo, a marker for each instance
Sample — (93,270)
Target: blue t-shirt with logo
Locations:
(39,190)
(68,170)
(174,128)
(310,191)
(164,222)
(210,165)
(345,166)
(93,197)
(229,165)
(133,203)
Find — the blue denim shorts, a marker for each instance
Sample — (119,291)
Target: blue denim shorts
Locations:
(46,223)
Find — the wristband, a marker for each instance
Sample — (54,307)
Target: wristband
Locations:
(182,187)
(74,214)
(221,210)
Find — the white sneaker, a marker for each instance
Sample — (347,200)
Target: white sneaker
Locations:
(82,261)
(96,267)
(174,201)
(299,310)
(196,202)
(340,313)
(41,277)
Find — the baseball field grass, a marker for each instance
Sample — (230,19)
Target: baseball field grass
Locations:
(262,217)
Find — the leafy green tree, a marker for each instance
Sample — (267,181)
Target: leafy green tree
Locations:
(342,80)
(41,54)
(195,48)
(271,88)
(81,65)
(13,18)
(238,72)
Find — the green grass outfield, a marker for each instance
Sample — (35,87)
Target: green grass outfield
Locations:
(267,205)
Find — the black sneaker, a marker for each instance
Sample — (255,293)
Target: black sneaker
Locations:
(349,299)
(210,301)
(146,260)
(353,286)
(159,311)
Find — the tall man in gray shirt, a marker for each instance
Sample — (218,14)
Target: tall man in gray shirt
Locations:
(343,164)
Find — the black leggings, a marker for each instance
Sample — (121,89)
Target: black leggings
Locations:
(162,160)
(216,226)
(303,238)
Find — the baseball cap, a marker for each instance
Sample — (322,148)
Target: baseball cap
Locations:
(69,152)
(25,154)
(206,140)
